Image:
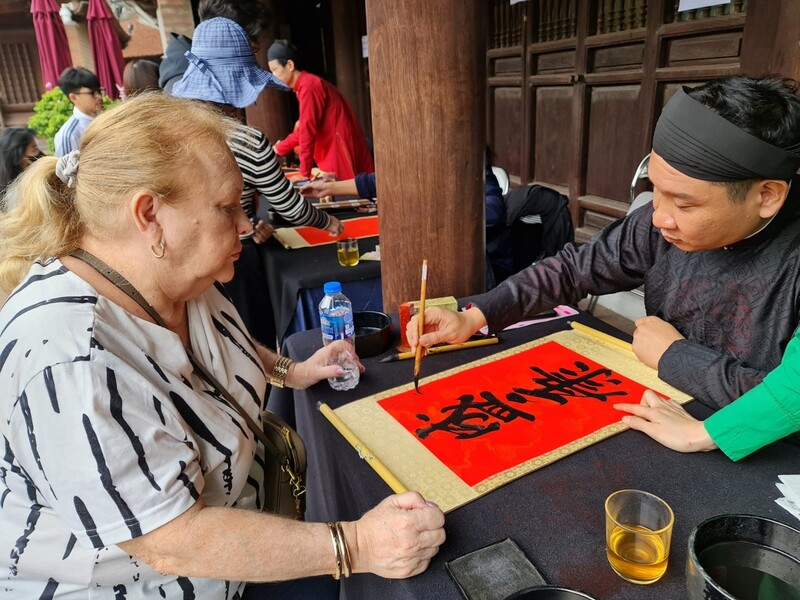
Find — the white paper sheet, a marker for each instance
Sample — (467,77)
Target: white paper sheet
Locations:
(693,4)
(791,485)
(790,488)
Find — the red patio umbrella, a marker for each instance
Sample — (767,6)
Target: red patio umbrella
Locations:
(106,48)
(51,38)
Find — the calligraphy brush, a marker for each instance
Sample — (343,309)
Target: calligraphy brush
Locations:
(421,323)
(445,348)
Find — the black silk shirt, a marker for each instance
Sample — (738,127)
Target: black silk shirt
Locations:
(737,307)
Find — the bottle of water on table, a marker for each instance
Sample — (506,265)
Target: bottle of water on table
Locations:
(336,319)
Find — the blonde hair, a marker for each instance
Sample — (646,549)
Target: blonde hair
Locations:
(149,142)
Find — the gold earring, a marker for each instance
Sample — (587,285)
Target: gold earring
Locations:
(161,248)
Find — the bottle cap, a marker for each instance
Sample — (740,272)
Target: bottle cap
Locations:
(332,287)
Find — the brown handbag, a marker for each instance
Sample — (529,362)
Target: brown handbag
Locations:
(283,478)
(285,456)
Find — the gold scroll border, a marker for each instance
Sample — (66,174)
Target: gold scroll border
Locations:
(291,240)
(396,446)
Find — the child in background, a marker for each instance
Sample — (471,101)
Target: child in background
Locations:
(82,87)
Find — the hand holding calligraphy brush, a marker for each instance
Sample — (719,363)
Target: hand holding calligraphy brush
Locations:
(421,323)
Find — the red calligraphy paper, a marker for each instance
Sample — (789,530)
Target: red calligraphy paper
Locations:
(353,228)
(487,419)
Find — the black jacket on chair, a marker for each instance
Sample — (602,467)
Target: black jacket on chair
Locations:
(534,242)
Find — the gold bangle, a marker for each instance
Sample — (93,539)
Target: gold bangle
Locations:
(336,551)
(279,372)
(344,551)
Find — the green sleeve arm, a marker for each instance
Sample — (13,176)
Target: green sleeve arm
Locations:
(767,413)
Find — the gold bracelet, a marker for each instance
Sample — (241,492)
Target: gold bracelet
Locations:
(279,372)
(336,551)
(344,551)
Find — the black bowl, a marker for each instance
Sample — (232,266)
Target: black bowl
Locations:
(374,333)
(734,557)
(548,592)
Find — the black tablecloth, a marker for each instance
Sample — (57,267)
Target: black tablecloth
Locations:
(554,514)
(290,271)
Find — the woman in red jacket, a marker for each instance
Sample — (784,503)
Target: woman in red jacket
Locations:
(328,132)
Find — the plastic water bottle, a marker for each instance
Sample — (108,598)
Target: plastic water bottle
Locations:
(336,318)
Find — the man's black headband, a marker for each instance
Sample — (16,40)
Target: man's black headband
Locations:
(701,144)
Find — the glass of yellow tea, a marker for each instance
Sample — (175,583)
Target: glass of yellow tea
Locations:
(347,252)
(638,533)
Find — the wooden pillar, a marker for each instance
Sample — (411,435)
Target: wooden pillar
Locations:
(175,16)
(769,44)
(427,78)
(271,113)
(345,24)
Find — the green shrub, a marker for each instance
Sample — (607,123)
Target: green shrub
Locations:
(52,111)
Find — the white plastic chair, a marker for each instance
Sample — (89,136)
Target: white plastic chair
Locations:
(640,173)
(640,200)
(502,179)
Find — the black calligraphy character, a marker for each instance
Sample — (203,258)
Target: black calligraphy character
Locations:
(471,418)
(566,383)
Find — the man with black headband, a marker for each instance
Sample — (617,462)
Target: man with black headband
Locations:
(718,250)
(328,132)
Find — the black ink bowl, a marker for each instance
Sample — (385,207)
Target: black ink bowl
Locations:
(374,333)
(743,557)
(548,592)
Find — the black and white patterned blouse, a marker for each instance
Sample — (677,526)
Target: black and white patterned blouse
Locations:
(108,434)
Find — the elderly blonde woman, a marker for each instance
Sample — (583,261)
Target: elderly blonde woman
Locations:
(124,474)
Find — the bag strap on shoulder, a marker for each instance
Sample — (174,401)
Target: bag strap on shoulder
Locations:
(127,287)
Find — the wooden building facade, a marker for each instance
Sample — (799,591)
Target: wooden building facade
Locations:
(20,77)
(574,87)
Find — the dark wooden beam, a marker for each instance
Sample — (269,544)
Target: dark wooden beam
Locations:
(15,6)
(770,43)
(346,18)
(580,114)
(271,113)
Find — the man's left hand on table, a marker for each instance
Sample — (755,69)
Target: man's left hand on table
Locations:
(651,339)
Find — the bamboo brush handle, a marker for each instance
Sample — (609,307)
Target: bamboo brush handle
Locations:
(421,322)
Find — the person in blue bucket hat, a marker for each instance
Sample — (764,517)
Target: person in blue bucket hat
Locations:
(222,67)
(223,72)
(254,16)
